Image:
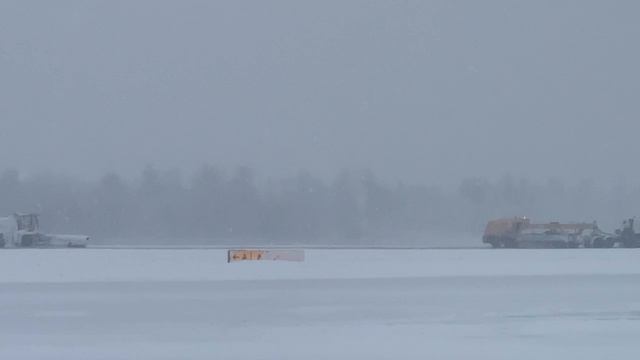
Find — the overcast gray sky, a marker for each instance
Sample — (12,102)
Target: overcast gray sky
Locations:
(426,91)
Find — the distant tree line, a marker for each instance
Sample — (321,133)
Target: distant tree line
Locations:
(353,208)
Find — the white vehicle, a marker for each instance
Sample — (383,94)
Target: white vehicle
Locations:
(23,231)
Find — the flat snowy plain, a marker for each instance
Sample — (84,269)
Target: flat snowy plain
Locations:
(338,304)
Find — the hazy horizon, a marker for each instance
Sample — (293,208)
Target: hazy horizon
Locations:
(425,92)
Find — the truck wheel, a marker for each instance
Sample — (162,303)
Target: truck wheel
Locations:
(510,244)
(26,241)
(601,243)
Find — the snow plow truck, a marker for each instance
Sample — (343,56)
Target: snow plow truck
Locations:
(23,231)
(520,232)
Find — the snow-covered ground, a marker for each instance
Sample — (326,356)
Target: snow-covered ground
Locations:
(338,304)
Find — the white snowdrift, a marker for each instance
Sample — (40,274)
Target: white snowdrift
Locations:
(91,265)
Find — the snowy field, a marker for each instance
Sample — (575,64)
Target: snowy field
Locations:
(338,304)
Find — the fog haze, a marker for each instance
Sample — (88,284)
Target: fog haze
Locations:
(428,92)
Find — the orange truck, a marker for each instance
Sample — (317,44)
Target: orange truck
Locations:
(520,232)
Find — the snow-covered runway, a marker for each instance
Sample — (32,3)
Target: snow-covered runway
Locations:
(339,304)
